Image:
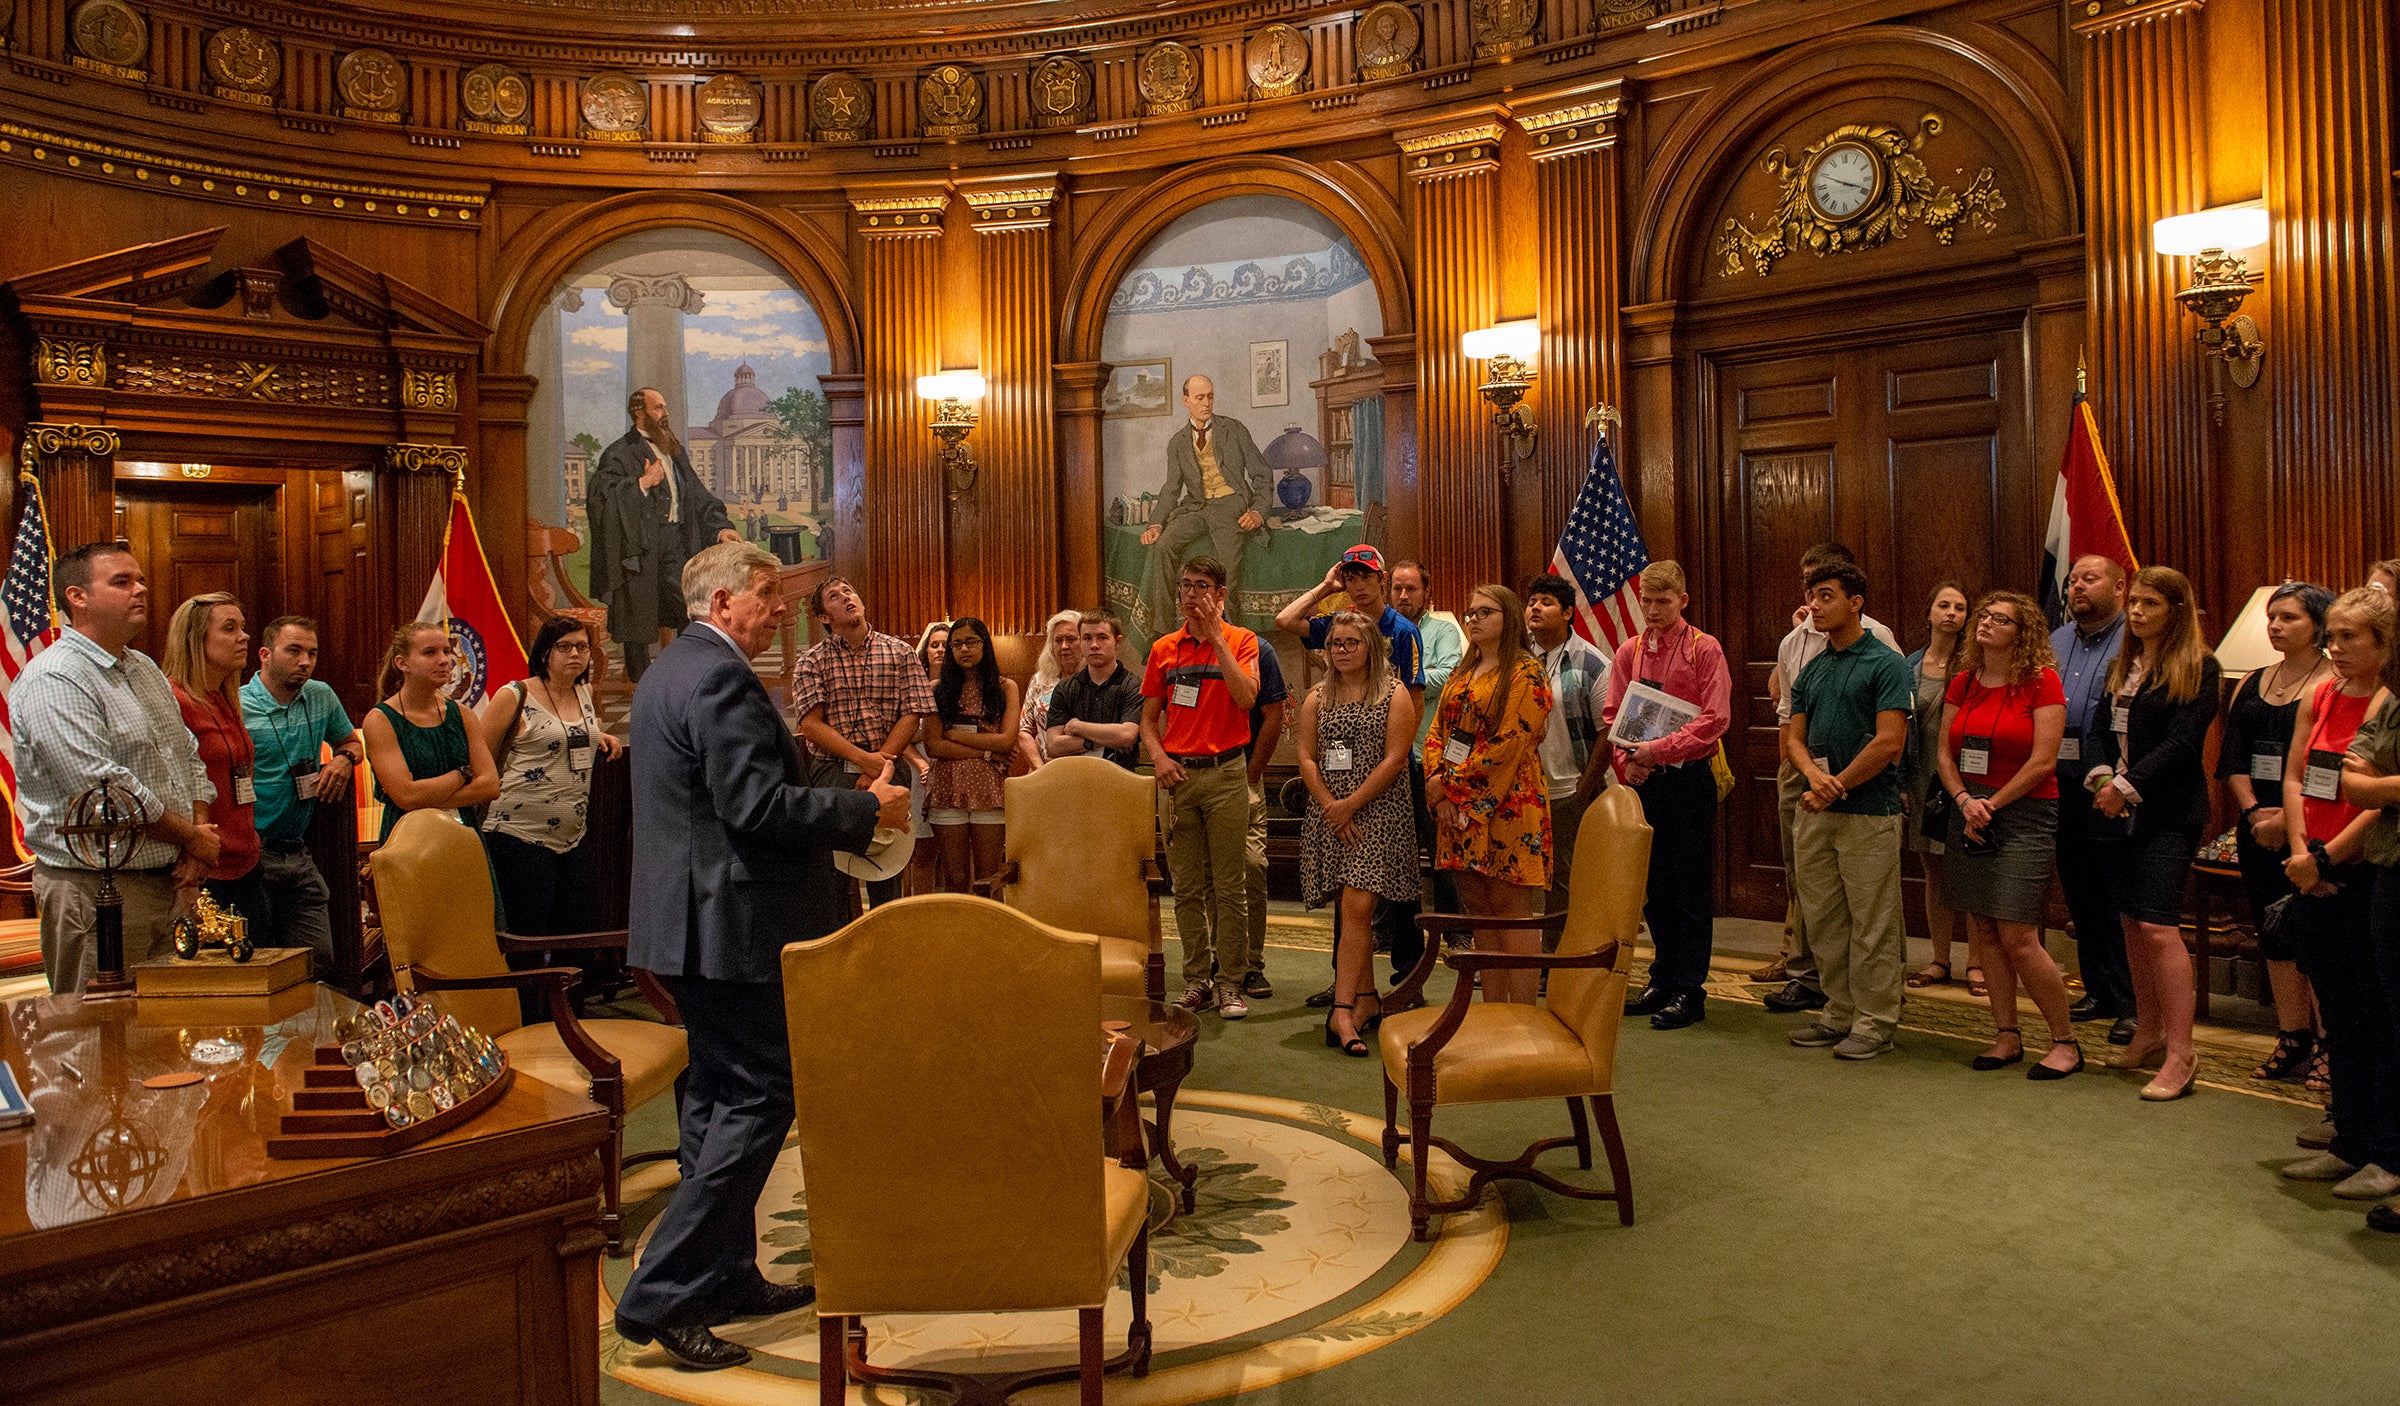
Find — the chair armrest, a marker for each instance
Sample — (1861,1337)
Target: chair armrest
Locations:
(1465,922)
(1155,878)
(1117,1085)
(1454,1014)
(1404,991)
(661,999)
(1007,874)
(1529,961)
(612,939)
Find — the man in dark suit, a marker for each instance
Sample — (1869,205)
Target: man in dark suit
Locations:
(735,860)
(649,514)
(1218,493)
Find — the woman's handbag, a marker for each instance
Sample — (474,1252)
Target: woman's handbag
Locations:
(1933,812)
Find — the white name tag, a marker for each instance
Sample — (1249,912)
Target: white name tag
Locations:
(580,758)
(245,787)
(304,783)
(2266,766)
(1975,757)
(1823,764)
(2120,718)
(1337,756)
(2322,781)
(1456,749)
(2070,749)
(1187,695)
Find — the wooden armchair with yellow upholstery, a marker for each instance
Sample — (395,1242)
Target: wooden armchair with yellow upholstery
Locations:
(950,1060)
(435,894)
(1470,1051)
(1082,854)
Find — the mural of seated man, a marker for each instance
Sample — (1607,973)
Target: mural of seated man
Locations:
(1215,503)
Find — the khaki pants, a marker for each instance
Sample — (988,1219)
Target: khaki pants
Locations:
(69,901)
(1850,893)
(1207,820)
(1790,786)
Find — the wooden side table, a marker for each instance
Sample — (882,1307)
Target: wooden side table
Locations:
(1170,1036)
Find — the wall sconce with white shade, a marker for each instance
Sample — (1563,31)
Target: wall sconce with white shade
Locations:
(1507,349)
(2220,281)
(954,416)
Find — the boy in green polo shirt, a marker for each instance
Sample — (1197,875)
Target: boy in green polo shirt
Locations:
(1849,719)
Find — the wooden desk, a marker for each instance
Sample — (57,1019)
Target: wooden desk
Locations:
(1168,1035)
(150,1250)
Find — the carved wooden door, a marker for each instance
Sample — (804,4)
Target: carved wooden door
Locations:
(195,538)
(1911,453)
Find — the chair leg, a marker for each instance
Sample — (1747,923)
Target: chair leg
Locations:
(833,1383)
(1138,1264)
(1583,1134)
(1420,1147)
(612,1188)
(1093,1356)
(1391,1122)
(1604,1109)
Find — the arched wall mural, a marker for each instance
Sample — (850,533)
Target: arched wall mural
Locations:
(1270,301)
(736,350)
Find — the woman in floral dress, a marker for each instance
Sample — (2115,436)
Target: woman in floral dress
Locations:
(1359,841)
(1483,780)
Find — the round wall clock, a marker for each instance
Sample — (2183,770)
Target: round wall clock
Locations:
(1846,179)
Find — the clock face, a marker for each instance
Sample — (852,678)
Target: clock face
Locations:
(1844,180)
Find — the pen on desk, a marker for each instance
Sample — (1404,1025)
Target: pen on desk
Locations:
(71,1071)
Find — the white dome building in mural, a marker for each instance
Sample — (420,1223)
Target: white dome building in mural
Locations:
(744,454)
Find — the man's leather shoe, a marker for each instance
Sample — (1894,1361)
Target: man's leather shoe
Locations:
(773,1299)
(1687,1008)
(1321,1000)
(1794,996)
(1651,1001)
(2121,1033)
(2090,1008)
(694,1347)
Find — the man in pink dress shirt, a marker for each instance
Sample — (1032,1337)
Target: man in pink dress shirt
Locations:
(1679,793)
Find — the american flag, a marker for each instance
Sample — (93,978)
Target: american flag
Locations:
(31,626)
(1601,552)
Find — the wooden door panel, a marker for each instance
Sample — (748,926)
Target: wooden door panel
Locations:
(195,539)
(1941,493)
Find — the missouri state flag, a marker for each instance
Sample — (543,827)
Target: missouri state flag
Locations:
(464,597)
(2085,520)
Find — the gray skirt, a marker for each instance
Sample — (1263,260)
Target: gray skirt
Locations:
(2009,881)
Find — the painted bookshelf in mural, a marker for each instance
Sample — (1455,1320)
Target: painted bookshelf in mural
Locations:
(1224,317)
(736,351)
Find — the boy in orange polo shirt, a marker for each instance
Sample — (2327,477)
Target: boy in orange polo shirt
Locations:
(1197,692)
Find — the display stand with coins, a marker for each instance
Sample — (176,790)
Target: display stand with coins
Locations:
(398,1073)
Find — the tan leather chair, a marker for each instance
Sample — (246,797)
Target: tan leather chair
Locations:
(949,1057)
(1471,1051)
(1082,854)
(434,889)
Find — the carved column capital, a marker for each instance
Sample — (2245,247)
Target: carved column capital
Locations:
(2100,16)
(668,290)
(426,458)
(1017,205)
(1578,120)
(43,440)
(913,212)
(1454,146)
(59,361)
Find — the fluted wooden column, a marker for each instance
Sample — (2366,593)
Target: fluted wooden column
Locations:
(1014,582)
(1453,179)
(905,572)
(1077,386)
(2145,158)
(2329,330)
(846,415)
(1574,148)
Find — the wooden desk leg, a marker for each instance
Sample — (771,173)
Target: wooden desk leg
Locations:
(1162,1146)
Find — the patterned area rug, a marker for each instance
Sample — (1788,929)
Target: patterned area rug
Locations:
(1296,1258)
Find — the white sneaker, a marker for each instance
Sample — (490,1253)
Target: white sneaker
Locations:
(2322,1167)
(2368,1183)
(1197,997)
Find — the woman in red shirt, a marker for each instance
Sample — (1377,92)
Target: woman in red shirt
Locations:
(2331,908)
(206,647)
(2002,719)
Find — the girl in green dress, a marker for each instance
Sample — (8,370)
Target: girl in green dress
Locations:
(425,750)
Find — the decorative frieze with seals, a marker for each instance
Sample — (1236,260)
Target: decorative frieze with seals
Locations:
(1620,14)
(727,108)
(1276,60)
(1386,40)
(373,86)
(840,108)
(112,38)
(950,101)
(1502,27)
(1169,79)
(243,66)
(616,108)
(496,100)
(1061,91)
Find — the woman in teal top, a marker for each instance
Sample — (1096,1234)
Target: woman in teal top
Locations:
(426,751)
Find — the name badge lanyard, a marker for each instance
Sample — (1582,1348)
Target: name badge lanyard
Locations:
(306,773)
(1975,749)
(1462,739)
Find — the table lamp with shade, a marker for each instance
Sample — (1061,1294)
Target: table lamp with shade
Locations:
(2246,648)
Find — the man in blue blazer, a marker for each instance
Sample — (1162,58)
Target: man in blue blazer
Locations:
(732,859)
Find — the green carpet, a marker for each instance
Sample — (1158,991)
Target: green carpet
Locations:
(1901,1231)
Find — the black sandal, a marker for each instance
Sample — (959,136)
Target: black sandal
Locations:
(1988,1062)
(2042,1073)
(2293,1050)
(1354,1047)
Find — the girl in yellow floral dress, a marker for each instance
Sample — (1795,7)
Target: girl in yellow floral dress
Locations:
(1483,780)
